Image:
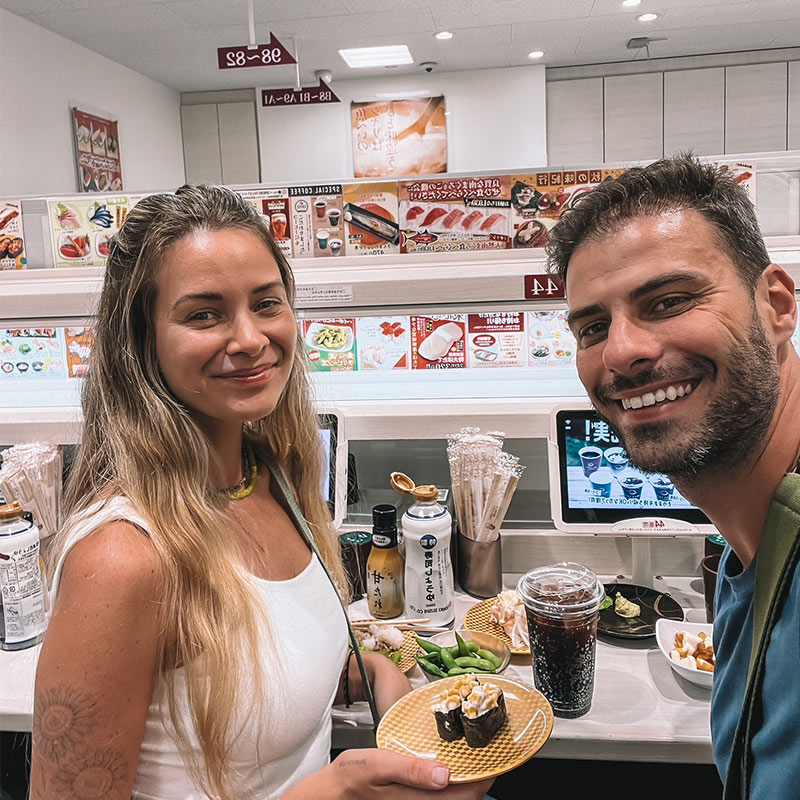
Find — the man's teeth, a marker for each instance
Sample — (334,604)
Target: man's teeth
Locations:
(659,396)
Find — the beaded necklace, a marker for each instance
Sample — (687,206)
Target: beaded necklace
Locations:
(249,475)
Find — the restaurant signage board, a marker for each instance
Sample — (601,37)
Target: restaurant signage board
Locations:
(241,56)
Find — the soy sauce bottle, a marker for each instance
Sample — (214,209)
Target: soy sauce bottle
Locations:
(385,566)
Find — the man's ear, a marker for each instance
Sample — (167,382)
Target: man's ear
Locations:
(779,307)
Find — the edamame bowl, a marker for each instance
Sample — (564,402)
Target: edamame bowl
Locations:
(473,657)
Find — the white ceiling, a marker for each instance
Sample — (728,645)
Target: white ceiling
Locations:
(175,41)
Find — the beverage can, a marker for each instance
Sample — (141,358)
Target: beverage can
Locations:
(22,591)
(427,528)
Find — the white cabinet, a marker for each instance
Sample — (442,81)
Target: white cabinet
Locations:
(794,106)
(575,122)
(694,111)
(634,117)
(755,108)
(220,143)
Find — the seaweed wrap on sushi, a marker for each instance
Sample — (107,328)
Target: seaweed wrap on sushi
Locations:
(446,708)
(483,713)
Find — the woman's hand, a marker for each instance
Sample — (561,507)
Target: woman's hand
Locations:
(388,683)
(371,774)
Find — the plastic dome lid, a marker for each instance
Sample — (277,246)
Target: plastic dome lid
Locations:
(562,590)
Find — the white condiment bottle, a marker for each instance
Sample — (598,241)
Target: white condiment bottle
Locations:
(22,588)
(429,572)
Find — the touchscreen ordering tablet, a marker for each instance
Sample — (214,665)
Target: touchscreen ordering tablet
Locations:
(334,474)
(594,488)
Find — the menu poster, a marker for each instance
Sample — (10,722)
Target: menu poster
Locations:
(79,342)
(317,224)
(437,342)
(274,207)
(12,244)
(399,137)
(31,354)
(550,341)
(496,339)
(538,199)
(97,152)
(330,344)
(82,229)
(744,174)
(365,206)
(383,342)
(454,214)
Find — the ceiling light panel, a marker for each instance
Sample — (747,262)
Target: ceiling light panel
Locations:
(390,56)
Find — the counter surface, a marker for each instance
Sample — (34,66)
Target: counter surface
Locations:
(642,711)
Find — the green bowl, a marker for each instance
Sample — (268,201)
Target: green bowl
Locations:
(485,641)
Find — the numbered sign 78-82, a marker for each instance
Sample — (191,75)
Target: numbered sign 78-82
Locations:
(543,287)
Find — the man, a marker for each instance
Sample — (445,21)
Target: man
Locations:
(684,346)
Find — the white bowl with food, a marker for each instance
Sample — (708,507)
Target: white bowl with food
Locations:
(691,655)
(328,336)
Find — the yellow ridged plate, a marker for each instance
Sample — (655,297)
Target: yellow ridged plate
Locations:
(409,727)
(478,618)
(409,649)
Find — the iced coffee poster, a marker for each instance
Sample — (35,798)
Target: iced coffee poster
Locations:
(496,339)
(550,341)
(454,214)
(330,344)
(370,218)
(399,137)
(12,243)
(97,152)
(538,199)
(437,342)
(32,354)
(317,223)
(600,475)
(79,343)
(383,343)
(273,205)
(82,228)
(743,173)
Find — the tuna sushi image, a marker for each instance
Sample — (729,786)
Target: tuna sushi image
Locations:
(413,213)
(471,220)
(483,714)
(433,215)
(452,218)
(491,221)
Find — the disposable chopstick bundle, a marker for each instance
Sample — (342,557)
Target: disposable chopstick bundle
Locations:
(31,474)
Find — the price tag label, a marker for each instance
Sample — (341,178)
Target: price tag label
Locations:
(273,54)
(306,96)
(543,287)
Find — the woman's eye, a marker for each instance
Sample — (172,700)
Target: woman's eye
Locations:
(270,304)
(200,316)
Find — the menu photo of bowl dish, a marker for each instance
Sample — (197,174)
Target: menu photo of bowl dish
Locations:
(330,344)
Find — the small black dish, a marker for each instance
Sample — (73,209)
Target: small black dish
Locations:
(654,604)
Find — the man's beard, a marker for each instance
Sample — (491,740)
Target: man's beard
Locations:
(733,426)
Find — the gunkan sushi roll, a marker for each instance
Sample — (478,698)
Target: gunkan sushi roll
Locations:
(483,713)
(446,708)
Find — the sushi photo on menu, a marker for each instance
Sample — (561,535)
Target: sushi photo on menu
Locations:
(383,343)
(455,214)
(437,342)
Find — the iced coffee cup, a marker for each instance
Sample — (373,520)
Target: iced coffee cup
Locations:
(617,458)
(562,602)
(590,459)
(632,486)
(322,239)
(334,215)
(601,480)
(336,246)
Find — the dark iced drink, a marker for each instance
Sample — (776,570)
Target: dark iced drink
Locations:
(562,602)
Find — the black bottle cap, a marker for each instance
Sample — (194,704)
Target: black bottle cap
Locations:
(384,517)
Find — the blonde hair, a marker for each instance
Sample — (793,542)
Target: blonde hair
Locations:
(141,442)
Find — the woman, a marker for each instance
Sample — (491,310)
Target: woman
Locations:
(196,643)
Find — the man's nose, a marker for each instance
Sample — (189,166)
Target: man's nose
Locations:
(630,347)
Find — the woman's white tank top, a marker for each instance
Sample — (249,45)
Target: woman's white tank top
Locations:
(291,736)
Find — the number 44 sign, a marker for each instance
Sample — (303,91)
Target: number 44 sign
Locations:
(543,287)
(273,54)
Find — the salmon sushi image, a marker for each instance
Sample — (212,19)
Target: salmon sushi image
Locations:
(471,220)
(452,219)
(433,215)
(491,221)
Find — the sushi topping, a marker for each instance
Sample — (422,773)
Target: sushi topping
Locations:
(483,698)
(455,695)
(509,613)
(101,216)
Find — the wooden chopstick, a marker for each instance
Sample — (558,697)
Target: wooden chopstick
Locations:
(394,622)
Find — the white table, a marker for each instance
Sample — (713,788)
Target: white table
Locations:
(642,711)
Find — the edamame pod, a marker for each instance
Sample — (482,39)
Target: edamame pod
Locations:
(431,668)
(428,647)
(489,656)
(476,663)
